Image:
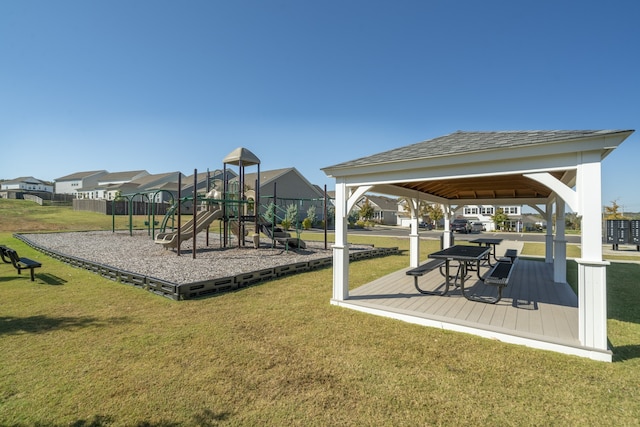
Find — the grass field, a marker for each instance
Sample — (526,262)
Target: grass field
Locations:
(80,350)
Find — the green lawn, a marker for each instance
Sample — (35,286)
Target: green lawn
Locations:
(80,350)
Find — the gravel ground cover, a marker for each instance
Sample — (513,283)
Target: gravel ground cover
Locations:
(140,254)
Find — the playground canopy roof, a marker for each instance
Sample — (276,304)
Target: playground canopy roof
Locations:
(241,155)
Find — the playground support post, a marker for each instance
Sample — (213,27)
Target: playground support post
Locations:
(207,193)
(194,207)
(179,211)
(225,185)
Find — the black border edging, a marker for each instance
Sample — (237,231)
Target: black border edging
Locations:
(150,283)
(203,288)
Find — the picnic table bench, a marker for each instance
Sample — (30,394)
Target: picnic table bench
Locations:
(424,269)
(4,255)
(498,276)
(512,254)
(20,263)
(467,257)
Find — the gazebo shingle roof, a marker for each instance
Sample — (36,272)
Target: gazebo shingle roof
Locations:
(468,142)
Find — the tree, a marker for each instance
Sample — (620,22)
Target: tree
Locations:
(311,214)
(435,213)
(270,213)
(290,216)
(308,222)
(572,221)
(611,212)
(499,218)
(366,211)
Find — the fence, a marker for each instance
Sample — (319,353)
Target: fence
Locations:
(33,198)
(120,207)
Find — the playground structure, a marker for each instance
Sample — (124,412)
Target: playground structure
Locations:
(233,203)
(197,224)
(237,211)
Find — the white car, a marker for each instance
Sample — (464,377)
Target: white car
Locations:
(477,227)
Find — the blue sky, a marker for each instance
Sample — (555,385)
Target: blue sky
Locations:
(177,85)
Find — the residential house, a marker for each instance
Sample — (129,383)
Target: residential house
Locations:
(385,209)
(483,214)
(71,184)
(203,181)
(163,187)
(15,188)
(107,185)
(287,186)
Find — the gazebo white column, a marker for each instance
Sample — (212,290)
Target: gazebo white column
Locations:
(592,271)
(548,249)
(560,245)
(414,236)
(341,247)
(446,238)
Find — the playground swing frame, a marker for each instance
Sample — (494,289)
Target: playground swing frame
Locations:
(151,202)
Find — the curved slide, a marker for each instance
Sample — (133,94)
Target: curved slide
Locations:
(203,220)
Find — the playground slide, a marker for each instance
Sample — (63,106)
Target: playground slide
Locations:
(203,220)
(213,194)
(281,236)
(234,225)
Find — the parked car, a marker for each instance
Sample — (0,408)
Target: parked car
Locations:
(461,226)
(477,227)
(423,224)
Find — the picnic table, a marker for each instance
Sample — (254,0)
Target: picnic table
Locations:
(468,259)
(491,243)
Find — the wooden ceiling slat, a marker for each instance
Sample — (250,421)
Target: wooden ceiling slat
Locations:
(491,187)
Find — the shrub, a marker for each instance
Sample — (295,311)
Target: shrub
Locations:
(292,215)
(311,217)
(307,223)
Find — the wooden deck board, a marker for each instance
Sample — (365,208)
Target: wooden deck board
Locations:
(532,304)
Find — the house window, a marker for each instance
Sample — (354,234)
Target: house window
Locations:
(487,210)
(470,210)
(511,210)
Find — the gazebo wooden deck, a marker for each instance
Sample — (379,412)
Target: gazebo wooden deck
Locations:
(534,310)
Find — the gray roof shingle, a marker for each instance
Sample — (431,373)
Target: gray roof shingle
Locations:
(467,142)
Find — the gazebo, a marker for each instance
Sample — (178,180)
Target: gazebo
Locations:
(550,171)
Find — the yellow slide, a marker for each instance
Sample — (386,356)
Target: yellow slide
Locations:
(203,220)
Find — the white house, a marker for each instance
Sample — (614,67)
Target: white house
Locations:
(107,184)
(484,214)
(26,184)
(71,184)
